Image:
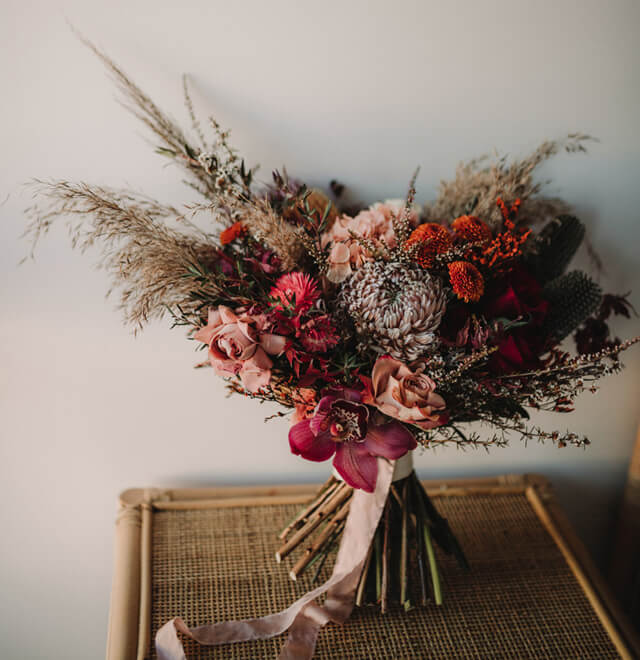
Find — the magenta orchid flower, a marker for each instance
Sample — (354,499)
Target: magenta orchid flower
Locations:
(341,426)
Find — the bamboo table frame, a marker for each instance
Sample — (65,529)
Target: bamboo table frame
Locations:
(130,607)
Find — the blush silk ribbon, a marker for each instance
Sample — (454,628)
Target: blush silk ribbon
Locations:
(304,618)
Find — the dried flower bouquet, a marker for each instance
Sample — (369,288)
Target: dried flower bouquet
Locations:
(379,329)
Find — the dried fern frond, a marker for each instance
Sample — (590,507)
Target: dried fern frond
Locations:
(477,186)
(155,267)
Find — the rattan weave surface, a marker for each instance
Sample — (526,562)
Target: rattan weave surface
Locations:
(521,600)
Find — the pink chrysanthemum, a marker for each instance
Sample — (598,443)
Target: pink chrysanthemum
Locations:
(295,291)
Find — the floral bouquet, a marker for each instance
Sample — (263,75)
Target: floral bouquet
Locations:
(379,329)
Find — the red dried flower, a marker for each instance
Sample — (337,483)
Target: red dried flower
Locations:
(230,234)
(433,239)
(296,291)
(319,334)
(470,228)
(466,280)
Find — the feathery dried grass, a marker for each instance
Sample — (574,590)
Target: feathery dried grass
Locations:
(476,187)
(173,141)
(155,268)
(272,230)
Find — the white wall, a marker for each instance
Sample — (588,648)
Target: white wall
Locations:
(360,91)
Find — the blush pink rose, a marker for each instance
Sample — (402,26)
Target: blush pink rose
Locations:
(404,394)
(239,345)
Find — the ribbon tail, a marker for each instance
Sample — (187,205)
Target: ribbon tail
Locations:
(168,646)
(364,515)
(304,618)
(303,634)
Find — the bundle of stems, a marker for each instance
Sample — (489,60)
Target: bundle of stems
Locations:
(401,566)
(328,511)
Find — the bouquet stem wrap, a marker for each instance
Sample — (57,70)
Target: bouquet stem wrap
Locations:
(305,617)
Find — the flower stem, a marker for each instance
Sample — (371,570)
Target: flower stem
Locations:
(362,585)
(300,518)
(378,551)
(433,566)
(335,500)
(404,550)
(385,559)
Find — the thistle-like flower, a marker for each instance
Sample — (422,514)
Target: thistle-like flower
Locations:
(396,308)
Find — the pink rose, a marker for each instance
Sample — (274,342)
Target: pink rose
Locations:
(238,345)
(404,394)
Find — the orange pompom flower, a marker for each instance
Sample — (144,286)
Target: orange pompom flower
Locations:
(432,239)
(470,228)
(466,280)
(230,234)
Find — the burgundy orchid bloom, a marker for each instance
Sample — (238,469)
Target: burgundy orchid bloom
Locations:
(342,426)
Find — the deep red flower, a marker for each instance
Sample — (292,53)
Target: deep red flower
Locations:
(517,297)
(342,427)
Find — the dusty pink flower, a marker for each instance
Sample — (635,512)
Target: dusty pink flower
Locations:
(404,394)
(374,224)
(339,263)
(239,345)
(341,427)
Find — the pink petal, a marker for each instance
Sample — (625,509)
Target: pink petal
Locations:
(224,367)
(356,465)
(436,401)
(434,421)
(205,334)
(259,360)
(247,330)
(253,381)
(339,254)
(391,440)
(214,317)
(305,443)
(322,410)
(259,320)
(337,273)
(346,393)
(227,315)
(382,371)
(318,421)
(272,344)
(256,372)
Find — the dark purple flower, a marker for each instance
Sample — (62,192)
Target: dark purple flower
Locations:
(342,426)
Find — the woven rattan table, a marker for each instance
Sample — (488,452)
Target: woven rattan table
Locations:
(207,555)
